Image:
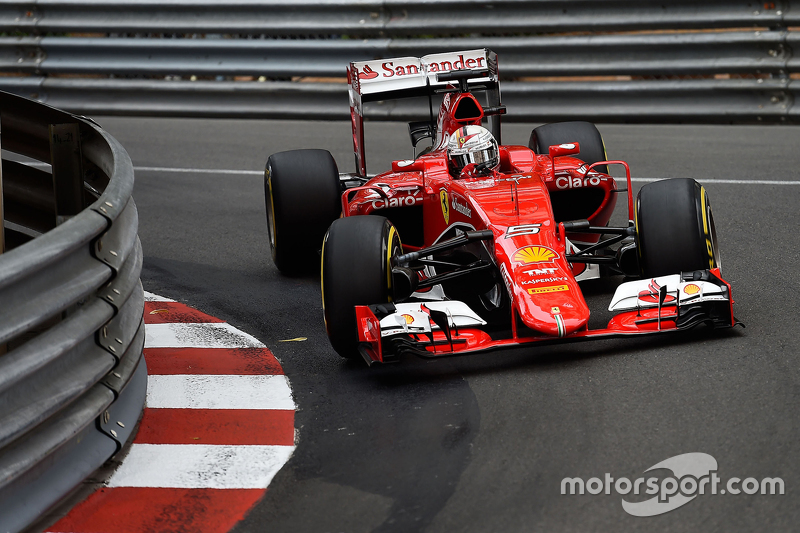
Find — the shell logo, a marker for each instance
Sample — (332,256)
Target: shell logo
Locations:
(691,289)
(534,254)
(409,319)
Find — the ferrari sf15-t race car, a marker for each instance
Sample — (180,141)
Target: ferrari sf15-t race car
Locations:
(473,245)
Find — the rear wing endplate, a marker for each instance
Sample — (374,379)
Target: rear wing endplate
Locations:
(405,77)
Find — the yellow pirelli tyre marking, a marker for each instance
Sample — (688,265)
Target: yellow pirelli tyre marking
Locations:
(392,234)
(706,229)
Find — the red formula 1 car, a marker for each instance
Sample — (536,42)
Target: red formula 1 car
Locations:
(474,246)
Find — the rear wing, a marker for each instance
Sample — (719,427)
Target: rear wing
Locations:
(405,77)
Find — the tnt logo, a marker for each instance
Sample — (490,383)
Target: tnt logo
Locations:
(541,271)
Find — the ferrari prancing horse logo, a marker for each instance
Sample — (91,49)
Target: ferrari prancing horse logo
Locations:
(445,206)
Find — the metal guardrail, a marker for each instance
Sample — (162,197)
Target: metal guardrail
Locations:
(704,101)
(665,56)
(395,18)
(767,52)
(72,376)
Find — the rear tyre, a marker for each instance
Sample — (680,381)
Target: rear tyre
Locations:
(356,270)
(584,133)
(675,228)
(302,193)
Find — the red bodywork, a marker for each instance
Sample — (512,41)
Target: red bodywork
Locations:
(516,204)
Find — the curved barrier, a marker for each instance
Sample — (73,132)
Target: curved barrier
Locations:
(72,376)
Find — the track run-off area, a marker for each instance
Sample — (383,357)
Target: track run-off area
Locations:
(483,443)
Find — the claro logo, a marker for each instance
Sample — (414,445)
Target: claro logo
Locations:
(397,201)
(572,182)
(693,474)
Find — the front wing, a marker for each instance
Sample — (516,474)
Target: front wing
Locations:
(447,328)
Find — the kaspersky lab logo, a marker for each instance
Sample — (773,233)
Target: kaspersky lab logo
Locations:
(694,474)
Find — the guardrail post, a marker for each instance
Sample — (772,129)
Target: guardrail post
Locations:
(2,226)
(2,213)
(65,159)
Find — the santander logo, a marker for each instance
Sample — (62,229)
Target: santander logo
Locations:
(651,295)
(401,67)
(444,65)
(368,74)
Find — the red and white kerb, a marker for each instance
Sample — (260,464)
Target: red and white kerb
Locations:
(217,426)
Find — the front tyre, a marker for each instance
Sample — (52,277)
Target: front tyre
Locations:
(675,228)
(356,270)
(303,196)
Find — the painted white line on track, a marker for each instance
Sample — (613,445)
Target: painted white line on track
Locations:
(716,180)
(201,171)
(200,466)
(644,180)
(150,297)
(177,335)
(219,392)
(236,172)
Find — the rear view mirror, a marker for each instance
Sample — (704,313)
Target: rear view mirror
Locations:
(558,150)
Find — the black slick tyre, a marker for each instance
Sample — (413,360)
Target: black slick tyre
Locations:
(356,270)
(675,228)
(303,196)
(583,133)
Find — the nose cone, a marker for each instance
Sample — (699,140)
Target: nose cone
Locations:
(558,313)
(536,272)
(557,324)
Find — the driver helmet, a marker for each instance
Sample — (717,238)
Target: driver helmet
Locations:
(471,144)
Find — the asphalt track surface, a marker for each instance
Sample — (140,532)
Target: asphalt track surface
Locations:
(482,443)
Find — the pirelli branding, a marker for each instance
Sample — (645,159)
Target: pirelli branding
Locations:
(551,288)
